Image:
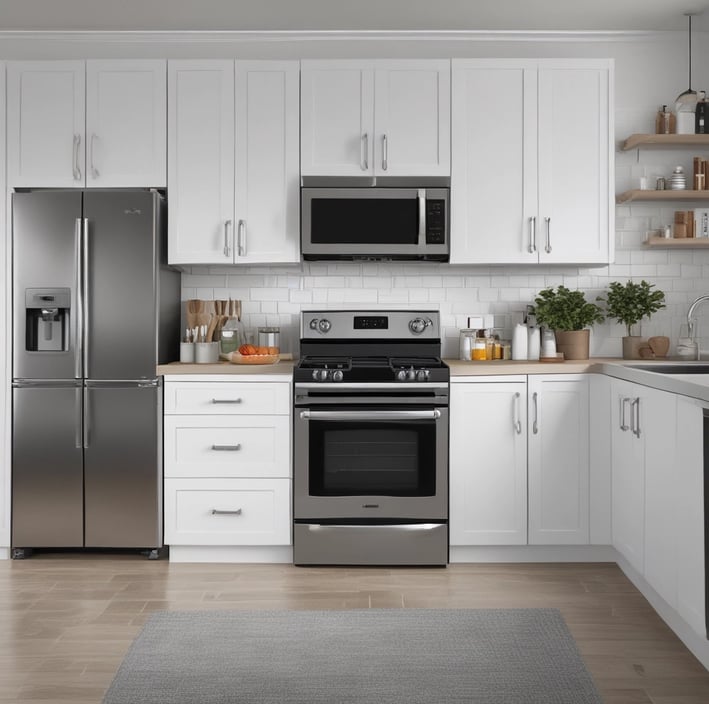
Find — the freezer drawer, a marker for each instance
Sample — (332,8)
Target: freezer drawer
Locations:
(122,466)
(47,473)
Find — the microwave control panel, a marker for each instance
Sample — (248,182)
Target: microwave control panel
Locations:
(435,221)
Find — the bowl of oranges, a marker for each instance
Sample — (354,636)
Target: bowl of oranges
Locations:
(252,354)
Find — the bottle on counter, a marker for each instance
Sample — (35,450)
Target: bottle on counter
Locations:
(533,343)
(548,350)
(520,340)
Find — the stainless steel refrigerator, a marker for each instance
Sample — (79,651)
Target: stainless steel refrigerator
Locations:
(95,309)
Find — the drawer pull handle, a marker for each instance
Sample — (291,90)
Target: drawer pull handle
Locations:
(226,448)
(226,400)
(222,512)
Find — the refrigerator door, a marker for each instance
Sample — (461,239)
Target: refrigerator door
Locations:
(122,465)
(120,285)
(46,228)
(47,473)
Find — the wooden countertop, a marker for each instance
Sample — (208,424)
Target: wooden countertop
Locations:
(507,367)
(282,368)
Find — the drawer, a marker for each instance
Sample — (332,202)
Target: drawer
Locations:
(227,398)
(227,446)
(227,512)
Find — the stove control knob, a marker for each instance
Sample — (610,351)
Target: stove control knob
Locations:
(337,375)
(401,375)
(313,324)
(418,325)
(422,375)
(411,375)
(316,374)
(324,325)
(321,374)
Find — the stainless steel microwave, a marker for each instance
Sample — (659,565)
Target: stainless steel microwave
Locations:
(375,219)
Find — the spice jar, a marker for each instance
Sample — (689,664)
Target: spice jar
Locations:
(479,351)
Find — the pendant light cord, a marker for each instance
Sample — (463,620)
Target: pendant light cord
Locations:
(689,17)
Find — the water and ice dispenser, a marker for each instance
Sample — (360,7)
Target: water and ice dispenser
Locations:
(47,319)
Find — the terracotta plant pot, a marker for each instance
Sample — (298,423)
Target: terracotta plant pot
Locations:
(632,344)
(573,343)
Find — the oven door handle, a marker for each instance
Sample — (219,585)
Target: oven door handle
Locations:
(434,414)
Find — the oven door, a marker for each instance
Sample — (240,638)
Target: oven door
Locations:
(371,463)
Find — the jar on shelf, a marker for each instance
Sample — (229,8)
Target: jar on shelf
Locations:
(678,180)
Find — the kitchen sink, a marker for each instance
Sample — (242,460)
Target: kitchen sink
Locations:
(675,367)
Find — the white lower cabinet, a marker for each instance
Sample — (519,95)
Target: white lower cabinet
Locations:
(519,460)
(227,459)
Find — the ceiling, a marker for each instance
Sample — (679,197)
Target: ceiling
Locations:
(271,15)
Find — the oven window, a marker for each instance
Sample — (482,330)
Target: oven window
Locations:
(364,221)
(369,458)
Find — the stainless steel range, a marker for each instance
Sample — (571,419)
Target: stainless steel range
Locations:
(370,440)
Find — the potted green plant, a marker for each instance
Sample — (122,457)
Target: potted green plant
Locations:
(630,303)
(568,314)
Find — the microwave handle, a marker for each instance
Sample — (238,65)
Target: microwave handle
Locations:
(422,216)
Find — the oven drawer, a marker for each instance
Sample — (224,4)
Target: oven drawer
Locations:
(212,446)
(227,512)
(227,398)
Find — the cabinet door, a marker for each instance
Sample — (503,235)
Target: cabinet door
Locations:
(337,118)
(689,479)
(558,466)
(493,165)
(45,124)
(628,479)
(200,175)
(412,118)
(126,123)
(488,463)
(658,430)
(267,162)
(574,162)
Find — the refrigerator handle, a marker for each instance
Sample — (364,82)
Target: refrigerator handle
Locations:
(85,295)
(79,323)
(79,440)
(87,417)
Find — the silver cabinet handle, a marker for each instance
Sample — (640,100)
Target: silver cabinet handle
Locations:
(547,248)
(85,295)
(94,171)
(226,400)
(364,151)
(227,242)
(241,239)
(226,448)
(225,512)
(422,216)
(79,293)
(516,419)
(385,153)
(533,234)
(623,425)
(434,414)
(535,424)
(635,403)
(77,167)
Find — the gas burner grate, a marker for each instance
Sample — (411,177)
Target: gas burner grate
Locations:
(415,362)
(325,363)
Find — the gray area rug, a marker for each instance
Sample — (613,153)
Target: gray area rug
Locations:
(365,656)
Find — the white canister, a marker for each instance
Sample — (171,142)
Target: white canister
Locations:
(548,344)
(533,343)
(519,342)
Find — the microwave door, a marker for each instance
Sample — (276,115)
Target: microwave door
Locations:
(385,222)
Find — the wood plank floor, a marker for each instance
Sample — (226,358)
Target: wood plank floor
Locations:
(66,621)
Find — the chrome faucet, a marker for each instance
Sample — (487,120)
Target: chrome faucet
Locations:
(691,321)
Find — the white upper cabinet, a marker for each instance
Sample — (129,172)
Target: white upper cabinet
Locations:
(45,124)
(375,118)
(126,123)
(233,162)
(531,170)
(93,123)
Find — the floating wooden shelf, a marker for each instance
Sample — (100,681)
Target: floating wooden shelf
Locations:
(678,243)
(670,195)
(677,140)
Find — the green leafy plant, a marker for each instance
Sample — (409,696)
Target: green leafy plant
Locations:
(564,309)
(629,303)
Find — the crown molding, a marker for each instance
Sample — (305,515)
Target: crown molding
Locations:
(283,36)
